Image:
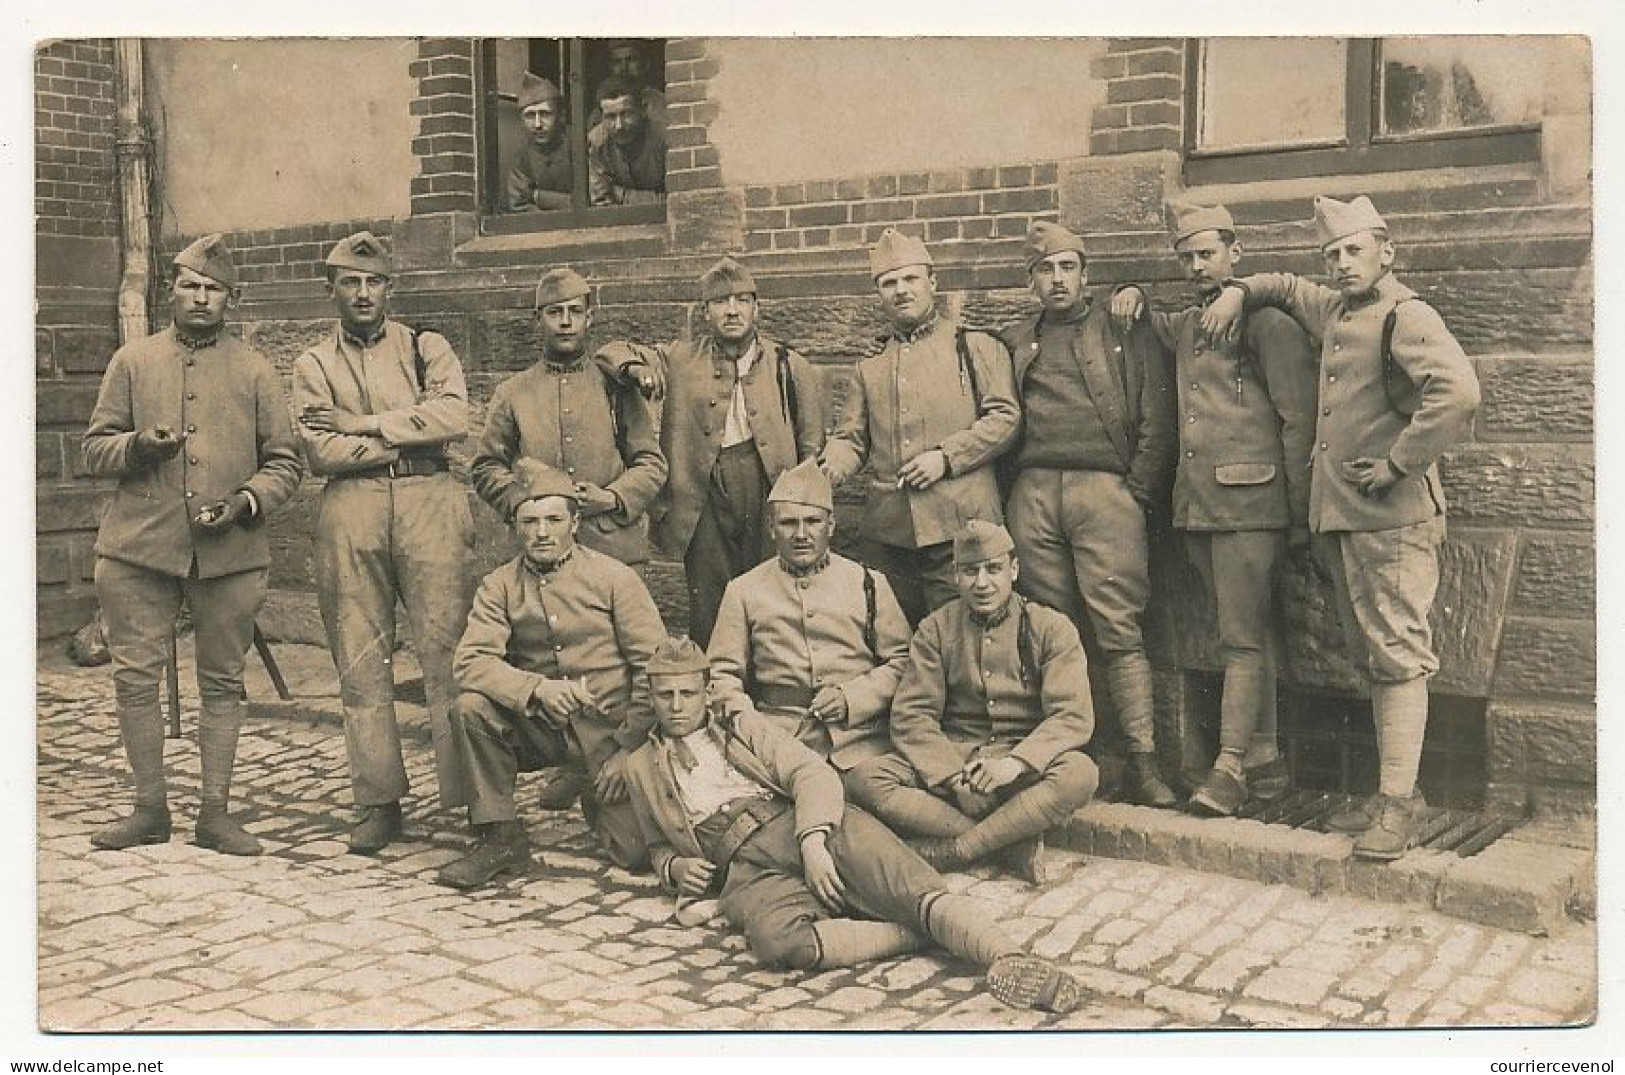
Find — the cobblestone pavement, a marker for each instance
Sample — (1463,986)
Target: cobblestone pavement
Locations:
(173,937)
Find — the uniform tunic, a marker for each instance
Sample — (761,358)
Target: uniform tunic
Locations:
(382,538)
(801,634)
(1382,551)
(617,175)
(541,178)
(572,418)
(226,397)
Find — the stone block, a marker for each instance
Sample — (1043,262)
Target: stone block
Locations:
(64,403)
(84,350)
(48,455)
(1514,886)
(1530,485)
(58,510)
(1475,576)
(282,340)
(1556,576)
(706,220)
(1112,195)
(1547,658)
(1535,398)
(1542,743)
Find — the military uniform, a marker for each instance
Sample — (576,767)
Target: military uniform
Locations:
(622,175)
(541,176)
(1246,423)
(743,795)
(1097,451)
(226,399)
(1382,550)
(394,523)
(916,395)
(590,618)
(1012,684)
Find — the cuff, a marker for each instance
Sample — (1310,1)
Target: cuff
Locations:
(1401,471)
(253,502)
(825,830)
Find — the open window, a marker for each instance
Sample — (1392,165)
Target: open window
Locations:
(575,160)
(1260,108)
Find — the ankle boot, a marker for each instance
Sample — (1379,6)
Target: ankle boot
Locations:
(1144,784)
(218,727)
(504,848)
(378,826)
(145,825)
(217,831)
(141,728)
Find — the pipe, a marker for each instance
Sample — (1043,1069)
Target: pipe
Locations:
(134,150)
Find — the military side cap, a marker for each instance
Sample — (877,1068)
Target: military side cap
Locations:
(560,285)
(803,483)
(678,656)
(896,249)
(533,90)
(209,257)
(1335,220)
(726,277)
(1045,239)
(1187,218)
(536,480)
(980,540)
(363,252)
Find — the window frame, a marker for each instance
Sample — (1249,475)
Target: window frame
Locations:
(491,167)
(1363,148)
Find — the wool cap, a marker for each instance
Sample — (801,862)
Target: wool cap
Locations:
(803,483)
(363,252)
(1335,220)
(980,540)
(534,89)
(210,257)
(560,285)
(1187,218)
(1046,238)
(896,249)
(537,480)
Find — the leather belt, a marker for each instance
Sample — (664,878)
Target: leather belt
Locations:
(739,821)
(412,466)
(782,695)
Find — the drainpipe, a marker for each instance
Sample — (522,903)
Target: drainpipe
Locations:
(134,180)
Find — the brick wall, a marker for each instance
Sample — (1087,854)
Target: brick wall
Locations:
(74,129)
(444,144)
(280,254)
(692,162)
(1145,95)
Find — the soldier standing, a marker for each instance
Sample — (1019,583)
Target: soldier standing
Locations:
(1396,392)
(194,425)
(378,402)
(1241,493)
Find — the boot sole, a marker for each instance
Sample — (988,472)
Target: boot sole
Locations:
(1206,807)
(210,843)
(119,845)
(518,869)
(1030,982)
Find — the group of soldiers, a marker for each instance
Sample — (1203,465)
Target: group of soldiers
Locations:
(625,144)
(933,688)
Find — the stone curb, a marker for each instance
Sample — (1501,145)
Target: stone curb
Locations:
(1517,884)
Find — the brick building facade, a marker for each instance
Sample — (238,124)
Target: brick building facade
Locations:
(1495,231)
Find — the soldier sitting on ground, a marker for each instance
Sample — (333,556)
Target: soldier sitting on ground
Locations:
(736,808)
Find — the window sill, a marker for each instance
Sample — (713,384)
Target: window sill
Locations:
(551,245)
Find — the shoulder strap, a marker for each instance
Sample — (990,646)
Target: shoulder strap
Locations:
(1394,381)
(967,368)
(420,367)
(787,390)
(1026,649)
(871,637)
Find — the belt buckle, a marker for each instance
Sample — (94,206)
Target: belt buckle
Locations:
(390,469)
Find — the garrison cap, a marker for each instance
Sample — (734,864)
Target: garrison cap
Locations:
(726,277)
(896,249)
(561,285)
(534,89)
(1046,238)
(209,257)
(1187,218)
(980,540)
(677,656)
(806,484)
(537,480)
(363,252)
(1334,219)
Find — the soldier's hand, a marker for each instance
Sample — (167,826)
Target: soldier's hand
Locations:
(610,783)
(829,705)
(649,378)
(693,876)
(924,470)
(987,775)
(966,799)
(224,514)
(1126,307)
(325,418)
(1372,477)
(1221,321)
(835,476)
(595,499)
(157,443)
(818,867)
(557,699)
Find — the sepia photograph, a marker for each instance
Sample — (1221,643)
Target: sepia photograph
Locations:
(818,533)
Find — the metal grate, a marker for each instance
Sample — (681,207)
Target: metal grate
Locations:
(1464,832)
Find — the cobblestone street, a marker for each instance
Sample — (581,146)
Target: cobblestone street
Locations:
(172,937)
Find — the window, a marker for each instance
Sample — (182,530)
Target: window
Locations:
(1290,107)
(573,161)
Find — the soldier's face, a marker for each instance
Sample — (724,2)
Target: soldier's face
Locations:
(564,326)
(1356,262)
(986,585)
(625,61)
(1058,281)
(909,293)
(801,533)
(1207,259)
(362,299)
(623,118)
(547,529)
(732,317)
(679,703)
(542,121)
(198,302)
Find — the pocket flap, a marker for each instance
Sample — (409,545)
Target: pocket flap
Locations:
(1244,473)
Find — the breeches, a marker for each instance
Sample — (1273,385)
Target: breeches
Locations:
(1385,582)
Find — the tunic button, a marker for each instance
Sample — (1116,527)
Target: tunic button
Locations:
(191,429)
(1331,378)
(192,459)
(1035,345)
(1337,347)
(1190,455)
(569,470)
(1192,420)
(1195,387)
(558,649)
(190,494)
(191,395)
(1324,446)
(1198,350)
(1118,350)
(801,584)
(1326,411)
(569,440)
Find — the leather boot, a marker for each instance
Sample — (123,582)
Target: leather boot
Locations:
(941,852)
(1144,784)
(218,728)
(504,848)
(1024,981)
(561,788)
(848,942)
(378,826)
(1015,831)
(141,727)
